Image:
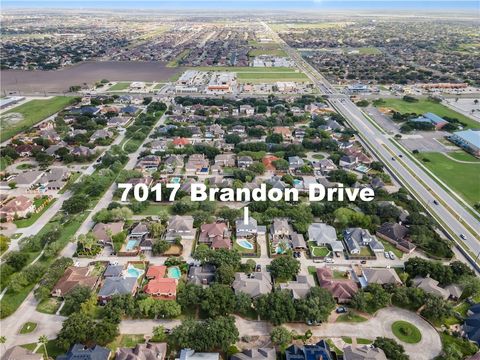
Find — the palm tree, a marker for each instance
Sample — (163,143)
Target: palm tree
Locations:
(44,340)
(3,340)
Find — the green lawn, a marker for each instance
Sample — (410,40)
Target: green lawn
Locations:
(347,340)
(406,332)
(271,52)
(52,349)
(318,156)
(48,306)
(351,317)
(390,247)
(248,69)
(119,86)
(23,223)
(262,77)
(155,209)
(126,340)
(463,156)
(463,346)
(319,251)
(424,106)
(28,327)
(464,179)
(32,112)
(362,341)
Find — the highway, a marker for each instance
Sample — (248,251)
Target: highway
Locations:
(452,216)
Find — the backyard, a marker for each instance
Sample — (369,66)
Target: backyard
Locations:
(30,114)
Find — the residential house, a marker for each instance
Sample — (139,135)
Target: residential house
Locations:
(117,121)
(363,353)
(162,288)
(51,135)
(246,230)
(82,151)
(83,352)
(129,110)
(27,179)
(20,353)
(300,287)
(355,238)
(72,277)
(379,276)
(158,146)
(471,325)
(295,162)
(225,160)
(255,354)
(117,286)
(342,290)
(156,272)
(327,165)
(216,235)
(348,161)
(148,351)
(101,134)
(189,354)
(149,162)
(113,271)
(18,207)
(325,235)
(104,232)
(237,129)
(214,131)
(430,286)
(180,143)
(247,110)
(284,131)
(319,351)
(244,161)
(397,235)
(254,285)
(282,232)
(202,275)
(180,227)
(173,162)
(196,163)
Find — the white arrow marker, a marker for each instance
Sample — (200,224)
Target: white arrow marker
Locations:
(245,215)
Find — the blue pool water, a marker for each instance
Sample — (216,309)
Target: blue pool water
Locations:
(134,272)
(131,244)
(297,182)
(245,244)
(175,180)
(174,272)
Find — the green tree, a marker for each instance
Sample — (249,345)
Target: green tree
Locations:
(281,337)
(217,300)
(392,349)
(316,307)
(277,307)
(75,298)
(160,246)
(225,274)
(284,267)
(159,334)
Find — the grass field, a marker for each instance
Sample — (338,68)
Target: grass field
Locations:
(424,106)
(464,179)
(464,346)
(271,52)
(367,51)
(48,306)
(262,77)
(32,112)
(119,86)
(350,317)
(463,156)
(406,332)
(28,327)
(156,209)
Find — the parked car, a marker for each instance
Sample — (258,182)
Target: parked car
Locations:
(341,310)
(329,260)
(363,262)
(258,268)
(392,255)
(386,254)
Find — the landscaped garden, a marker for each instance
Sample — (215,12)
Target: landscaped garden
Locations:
(406,332)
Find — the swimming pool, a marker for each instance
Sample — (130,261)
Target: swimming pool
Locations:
(174,272)
(297,182)
(132,271)
(245,244)
(131,244)
(175,180)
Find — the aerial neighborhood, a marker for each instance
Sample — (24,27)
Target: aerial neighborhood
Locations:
(106,255)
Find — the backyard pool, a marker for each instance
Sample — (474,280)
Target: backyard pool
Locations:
(175,180)
(131,244)
(297,182)
(174,272)
(245,244)
(132,271)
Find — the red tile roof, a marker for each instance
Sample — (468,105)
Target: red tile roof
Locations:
(162,288)
(341,289)
(156,271)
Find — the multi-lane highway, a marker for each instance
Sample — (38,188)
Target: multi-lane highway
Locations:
(457,222)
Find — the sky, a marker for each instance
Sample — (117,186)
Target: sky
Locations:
(250,4)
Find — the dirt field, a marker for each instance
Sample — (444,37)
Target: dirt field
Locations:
(88,72)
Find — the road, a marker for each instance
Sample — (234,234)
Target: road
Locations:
(452,216)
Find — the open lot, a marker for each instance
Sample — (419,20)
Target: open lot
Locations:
(424,106)
(29,114)
(461,177)
(119,86)
(262,77)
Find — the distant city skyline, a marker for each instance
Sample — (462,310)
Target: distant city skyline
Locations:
(249,4)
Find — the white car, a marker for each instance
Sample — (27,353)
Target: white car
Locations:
(386,254)
(329,260)
(392,255)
